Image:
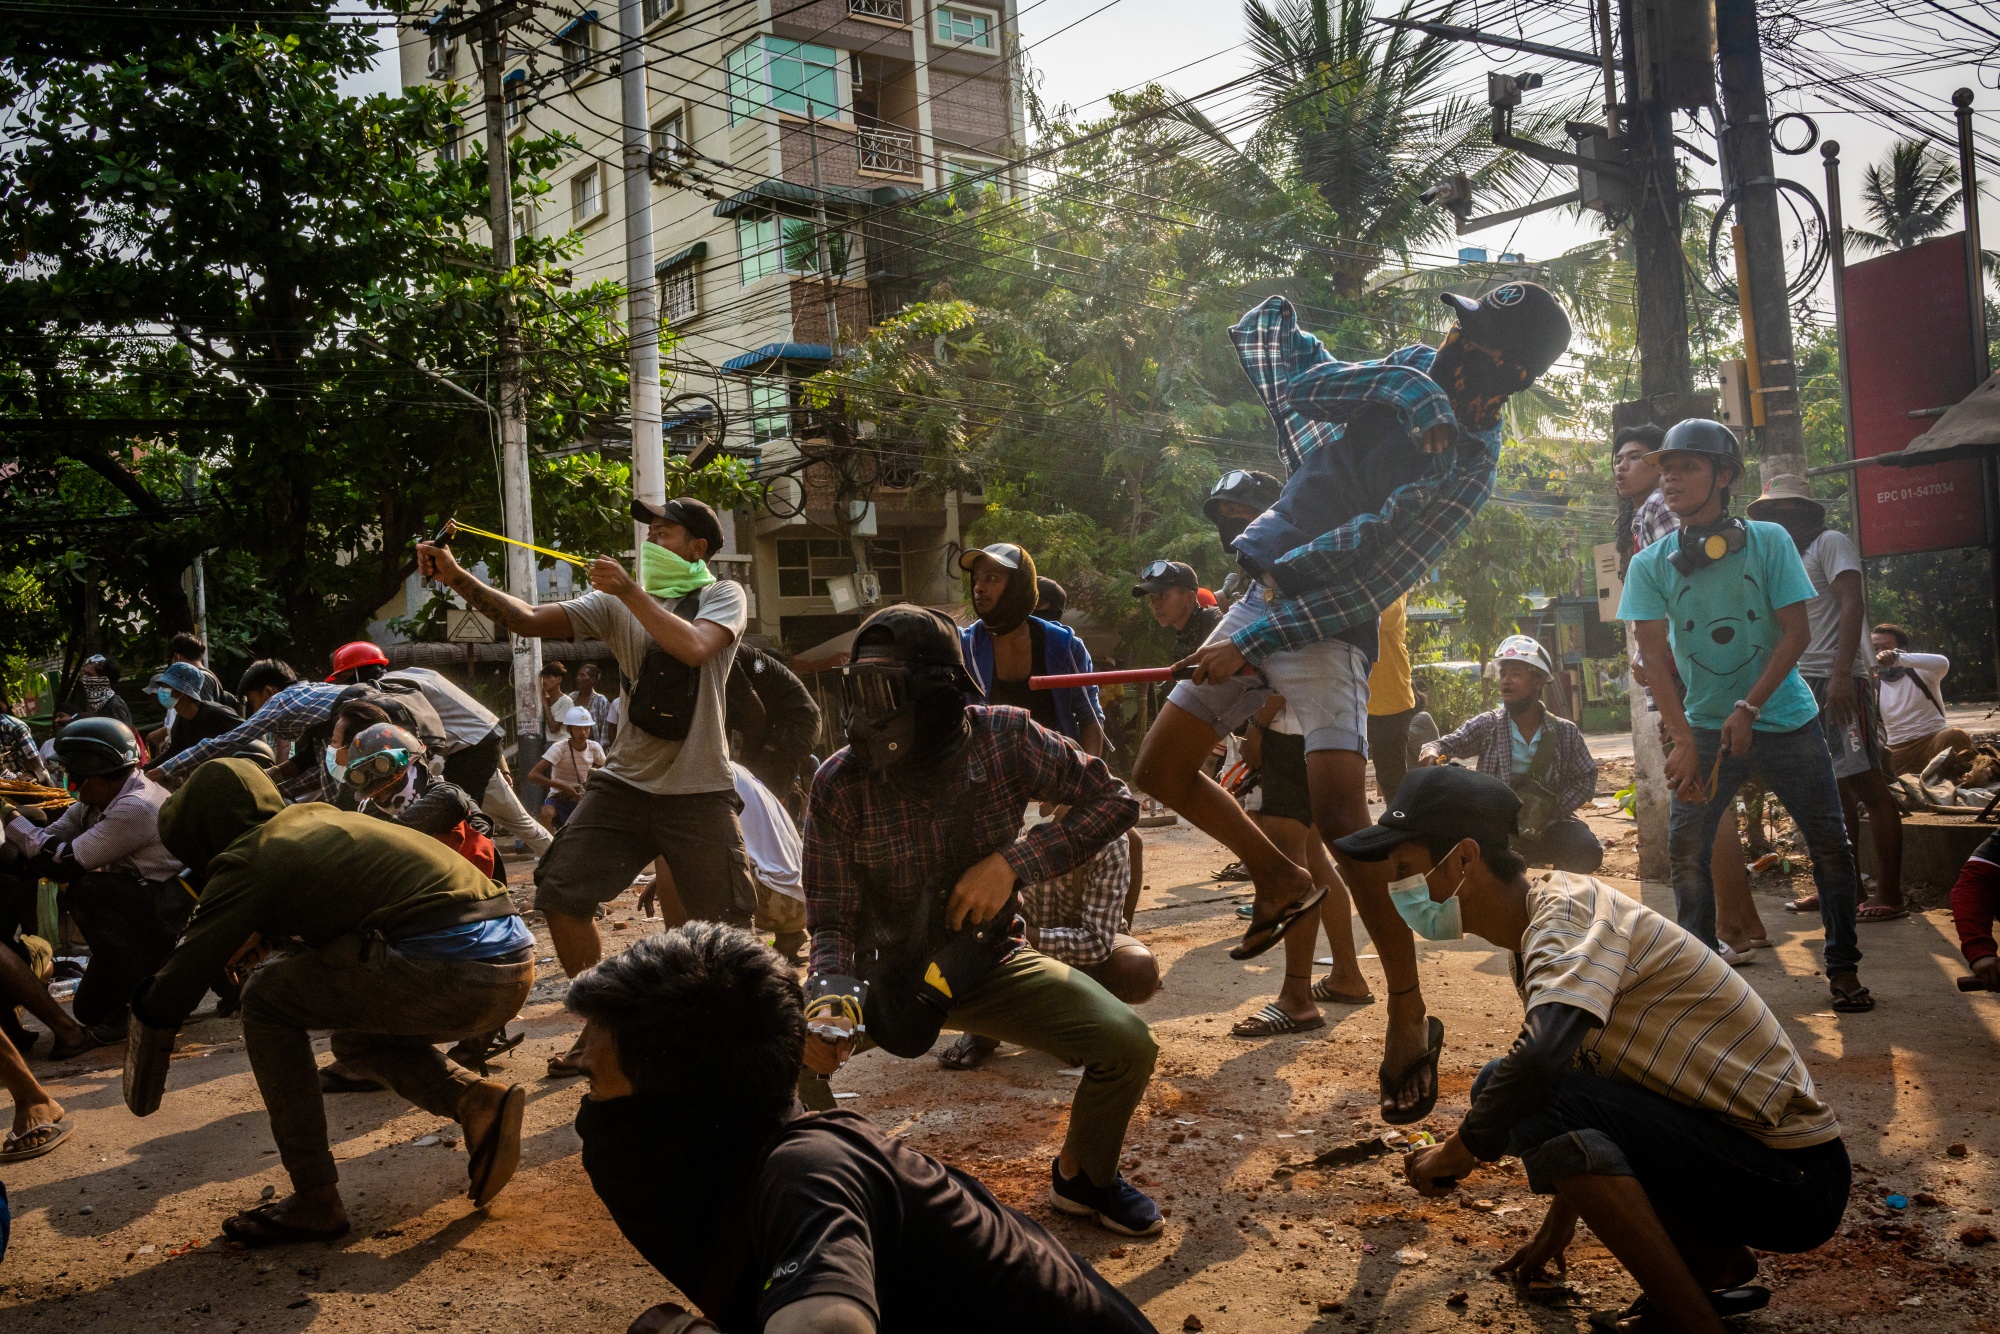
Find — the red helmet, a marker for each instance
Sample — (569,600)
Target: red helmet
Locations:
(360,653)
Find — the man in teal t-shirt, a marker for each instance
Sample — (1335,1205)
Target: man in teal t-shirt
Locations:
(1729,598)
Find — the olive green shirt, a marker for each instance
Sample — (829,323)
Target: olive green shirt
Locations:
(317,873)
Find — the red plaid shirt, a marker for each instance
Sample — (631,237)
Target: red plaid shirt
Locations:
(863,831)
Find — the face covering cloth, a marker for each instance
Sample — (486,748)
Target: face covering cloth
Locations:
(1017,604)
(1432,920)
(665,575)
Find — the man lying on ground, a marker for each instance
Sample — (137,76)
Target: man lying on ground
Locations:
(1542,757)
(914,856)
(771,1218)
(1388,462)
(1651,1091)
(404,944)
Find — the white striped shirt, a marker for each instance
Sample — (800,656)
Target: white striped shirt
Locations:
(1676,1018)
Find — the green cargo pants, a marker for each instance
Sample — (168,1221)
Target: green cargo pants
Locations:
(1035,1002)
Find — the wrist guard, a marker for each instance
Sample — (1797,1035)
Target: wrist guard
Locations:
(834,996)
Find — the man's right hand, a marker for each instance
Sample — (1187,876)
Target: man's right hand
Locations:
(1683,768)
(1987,970)
(825,1055)
(437,562)
(1840,700)
(1432,753)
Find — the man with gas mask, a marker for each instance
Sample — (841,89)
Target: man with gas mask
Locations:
(914,857)
(1387,463)
(1729,598)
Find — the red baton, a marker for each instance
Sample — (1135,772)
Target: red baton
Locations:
(1133,676)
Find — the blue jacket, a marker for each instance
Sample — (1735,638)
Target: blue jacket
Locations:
(1065,653)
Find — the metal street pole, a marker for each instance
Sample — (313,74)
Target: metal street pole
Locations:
(517,518)
(1982,362)
(1781,445)
(642,318)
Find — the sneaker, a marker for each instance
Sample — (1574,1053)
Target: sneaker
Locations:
(1735,958)
(1119,1207)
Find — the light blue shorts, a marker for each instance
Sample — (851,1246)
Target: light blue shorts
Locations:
(1325,685)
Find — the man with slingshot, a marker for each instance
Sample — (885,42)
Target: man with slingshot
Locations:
(1387,463)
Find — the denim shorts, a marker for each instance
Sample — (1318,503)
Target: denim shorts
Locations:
(1325,684)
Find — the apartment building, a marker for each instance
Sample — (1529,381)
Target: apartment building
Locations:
(786,135)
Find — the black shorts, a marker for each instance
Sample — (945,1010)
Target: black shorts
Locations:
(1283,778)
(615,832)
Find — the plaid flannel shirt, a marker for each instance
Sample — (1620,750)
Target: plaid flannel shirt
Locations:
(285,717)
(18,755)
(1077,917)
(1652,521)
(1572,771)
(865,836)
(1367,563)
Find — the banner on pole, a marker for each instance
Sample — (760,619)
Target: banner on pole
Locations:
(1909,344)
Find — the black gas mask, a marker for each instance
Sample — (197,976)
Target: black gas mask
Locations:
(901,717)
(1477,380)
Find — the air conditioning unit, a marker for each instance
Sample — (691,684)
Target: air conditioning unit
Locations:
(441,57)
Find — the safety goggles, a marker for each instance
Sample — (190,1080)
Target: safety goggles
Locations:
(873,689)
(372,771)
(1159,569)
(1232,479)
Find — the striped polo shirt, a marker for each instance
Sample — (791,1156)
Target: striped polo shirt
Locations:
(1675,1018)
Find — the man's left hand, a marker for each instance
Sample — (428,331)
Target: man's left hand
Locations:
(1217,662)
(1736,733)
(1435,1171)
(608,575)
(1840,700)
(668,1318)
(981,892)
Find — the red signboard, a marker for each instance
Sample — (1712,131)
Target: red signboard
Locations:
(1909,349)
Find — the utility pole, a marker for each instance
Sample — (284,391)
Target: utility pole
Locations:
(517,516)
(642,317)
(1982,361)
(1746,148)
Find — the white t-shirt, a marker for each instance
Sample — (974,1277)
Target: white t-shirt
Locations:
(769,837)
(701,762)
(1826,558)
(1907,713)
(553,715)
(571,765)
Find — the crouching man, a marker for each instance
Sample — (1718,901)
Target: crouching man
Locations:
(914,861)
(401,944)
(770,1217)
(1651,1091)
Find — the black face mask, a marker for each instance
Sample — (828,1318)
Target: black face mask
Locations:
(900,721)
(1229,530)
(1478,385)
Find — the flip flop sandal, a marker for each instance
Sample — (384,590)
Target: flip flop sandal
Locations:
(332,1081)
(1810,904)
(1867,914)
(1391,1089)
(1233,871)
(1323,992)
(1262,936)
(561,1067)
(20,1146)
(1858,1001)
(91,1041)
(477,1053)
(1271,1022)
(968,1053)
(496,1157)
(262,1227)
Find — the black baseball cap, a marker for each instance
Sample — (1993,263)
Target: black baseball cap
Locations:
(1006,553)
(1051,597)
(1164,574)
(1523,320)
(697,516)
(1245,486)
(913,636)
(1438,804)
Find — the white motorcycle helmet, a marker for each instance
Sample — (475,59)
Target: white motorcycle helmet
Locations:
(1520,648)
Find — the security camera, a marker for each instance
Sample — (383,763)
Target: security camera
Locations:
(1503,91)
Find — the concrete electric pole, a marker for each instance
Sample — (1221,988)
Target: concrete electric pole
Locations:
(642,318)
(517,517)
(1746,146)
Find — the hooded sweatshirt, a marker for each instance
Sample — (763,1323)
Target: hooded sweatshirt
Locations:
(306,870)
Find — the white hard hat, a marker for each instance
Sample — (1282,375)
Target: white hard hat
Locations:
(1521,648)
(579,717)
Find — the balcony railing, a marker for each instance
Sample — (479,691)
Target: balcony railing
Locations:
(896,11)
(891,152)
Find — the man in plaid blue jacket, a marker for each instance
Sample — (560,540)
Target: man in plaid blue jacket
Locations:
(1387,462)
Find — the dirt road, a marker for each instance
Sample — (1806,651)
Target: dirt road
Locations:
(117,1229)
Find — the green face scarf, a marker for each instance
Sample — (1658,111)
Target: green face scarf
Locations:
(665,575)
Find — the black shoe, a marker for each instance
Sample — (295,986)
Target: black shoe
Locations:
(1120,1207)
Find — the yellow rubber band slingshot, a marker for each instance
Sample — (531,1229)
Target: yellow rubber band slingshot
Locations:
(454,526)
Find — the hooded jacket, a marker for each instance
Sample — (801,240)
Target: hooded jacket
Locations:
(307,870)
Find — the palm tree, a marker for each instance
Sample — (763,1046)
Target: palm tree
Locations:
(1910,197)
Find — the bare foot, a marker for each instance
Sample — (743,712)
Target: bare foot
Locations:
(29,1115)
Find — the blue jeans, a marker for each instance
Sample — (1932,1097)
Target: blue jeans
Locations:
(1798,771)
(1693,1165)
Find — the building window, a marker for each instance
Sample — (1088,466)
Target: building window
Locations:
(574,44)
(756,245)
(892,10)
(516,100)
(771,243)
(586,195)
(770,413)
(965,27)
(787,76)
(806,563)
(524,222)
(652,11)
(677,292)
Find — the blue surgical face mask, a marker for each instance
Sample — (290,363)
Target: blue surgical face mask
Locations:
(334,768)
(1425,916)
(165,696)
